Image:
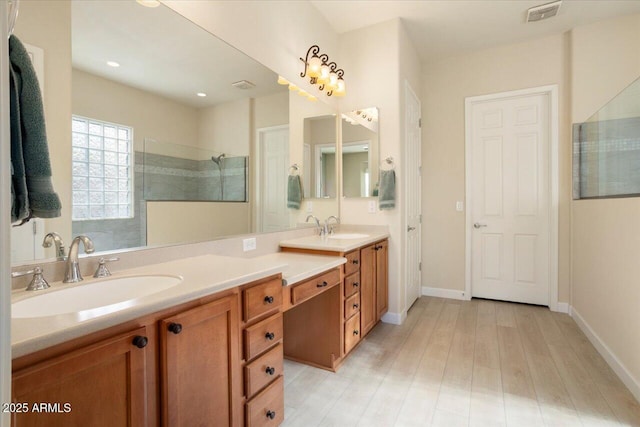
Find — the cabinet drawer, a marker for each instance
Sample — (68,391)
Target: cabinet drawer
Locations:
(261,299)
(306,290)
(351,333)
(261,336)
(352,305)
(353,262)
(351,284)
(267,408)
(263,370)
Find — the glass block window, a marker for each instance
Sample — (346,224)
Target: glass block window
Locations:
(102,170)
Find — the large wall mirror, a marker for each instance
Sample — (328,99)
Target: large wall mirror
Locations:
(162,141)
(360,153)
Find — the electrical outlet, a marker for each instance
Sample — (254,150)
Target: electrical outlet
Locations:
(459,206)
(309,206)
(249,244)
(372,206)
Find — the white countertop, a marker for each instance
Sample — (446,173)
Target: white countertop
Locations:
(202,275)
(324,243)
(302,266)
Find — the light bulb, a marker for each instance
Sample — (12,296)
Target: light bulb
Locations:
(324,74)
(340,88)
(282,81)
(333,80)
(314,66)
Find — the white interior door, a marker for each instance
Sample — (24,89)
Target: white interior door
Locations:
(510,189)
(413,195)
(272,186)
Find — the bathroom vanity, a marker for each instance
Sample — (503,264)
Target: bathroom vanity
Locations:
(208,351)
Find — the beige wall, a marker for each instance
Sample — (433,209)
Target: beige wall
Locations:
(352,167)
(180,222)
(226,128)
(446,84)
(150,115)
(47,25)
(606,233)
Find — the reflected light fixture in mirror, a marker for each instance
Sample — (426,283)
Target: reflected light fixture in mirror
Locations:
(325,74)
(148,3)
(292,87)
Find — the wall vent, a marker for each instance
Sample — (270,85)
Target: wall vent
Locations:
(544,11)
(243,84)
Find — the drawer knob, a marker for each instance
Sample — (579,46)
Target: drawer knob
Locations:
(268,299)
(270,370)
(271,414)
(356,284)
(176,328)
(355,306)
(270,336)
(321,285)
(355,332)
(355,261)
(140,341)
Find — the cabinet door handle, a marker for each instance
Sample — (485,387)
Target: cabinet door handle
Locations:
(140,341)
(271,414)
(270,370)
(355,306)
(176,328)
(355,261)
(356,284)
(355,332)
(321,285)
(268,299)
(270,336)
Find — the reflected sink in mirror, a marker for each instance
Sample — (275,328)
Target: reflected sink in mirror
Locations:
(93,299)
(347,236)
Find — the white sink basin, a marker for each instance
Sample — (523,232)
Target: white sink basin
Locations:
(94,298)
(348,236)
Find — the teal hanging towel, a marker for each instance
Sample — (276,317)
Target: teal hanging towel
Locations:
(32,193)
(387,191)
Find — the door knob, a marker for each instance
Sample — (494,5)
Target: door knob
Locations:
(478,225)
(409,228)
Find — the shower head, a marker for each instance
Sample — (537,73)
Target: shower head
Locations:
(217,160)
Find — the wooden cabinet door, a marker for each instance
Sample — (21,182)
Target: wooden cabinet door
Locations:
(382,278)
(201,377)
(368,310)
(103,384)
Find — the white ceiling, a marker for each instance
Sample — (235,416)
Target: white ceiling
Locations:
(443,28)
(162,52)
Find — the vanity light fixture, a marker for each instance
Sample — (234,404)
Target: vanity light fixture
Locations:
(113,64)
(323,73)
(148,3)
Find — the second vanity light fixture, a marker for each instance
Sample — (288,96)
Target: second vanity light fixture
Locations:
(325,74)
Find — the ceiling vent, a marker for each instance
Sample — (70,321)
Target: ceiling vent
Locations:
(544,11)
(243,84)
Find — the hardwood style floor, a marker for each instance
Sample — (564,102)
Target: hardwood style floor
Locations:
(465,363)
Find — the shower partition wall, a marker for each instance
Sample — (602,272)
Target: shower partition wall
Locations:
(181,173)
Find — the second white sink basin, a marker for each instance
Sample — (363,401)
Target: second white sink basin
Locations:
(347,236)
(94,298)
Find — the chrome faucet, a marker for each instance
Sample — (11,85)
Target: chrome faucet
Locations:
(328,229)
(72,271)
(54,238)
(321,230)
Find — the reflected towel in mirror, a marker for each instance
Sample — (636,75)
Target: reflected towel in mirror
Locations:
(294,192)
(387,191)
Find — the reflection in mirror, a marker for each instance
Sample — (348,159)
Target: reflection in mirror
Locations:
(606,149)
(156,93)
(320,142)
(360,153)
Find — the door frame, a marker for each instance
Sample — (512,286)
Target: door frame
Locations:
(552,92)
(257,193)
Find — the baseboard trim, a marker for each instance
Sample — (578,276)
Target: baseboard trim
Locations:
(632,384)
(394,318)
(563,307)
(443,293)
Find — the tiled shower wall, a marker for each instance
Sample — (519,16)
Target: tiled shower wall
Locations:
(159,177)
